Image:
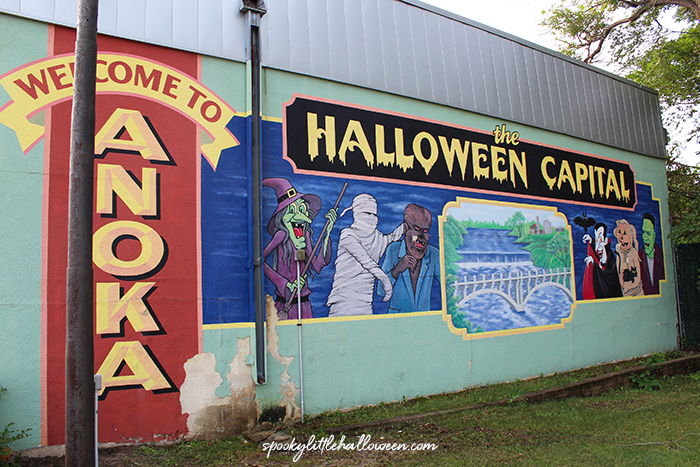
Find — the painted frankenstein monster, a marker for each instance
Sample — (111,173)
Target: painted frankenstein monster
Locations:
(290,227)
(651,257)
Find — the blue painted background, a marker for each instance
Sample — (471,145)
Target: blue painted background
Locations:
(227,232)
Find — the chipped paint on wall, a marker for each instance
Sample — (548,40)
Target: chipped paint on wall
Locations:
(288,388)
(243,388)
(210,416)
(198,395)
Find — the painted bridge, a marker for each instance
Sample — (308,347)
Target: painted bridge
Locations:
(514,288)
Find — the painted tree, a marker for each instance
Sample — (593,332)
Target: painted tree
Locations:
(517,224)
(560,247)
(454,231)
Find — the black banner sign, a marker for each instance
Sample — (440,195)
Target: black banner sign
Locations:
(327,137)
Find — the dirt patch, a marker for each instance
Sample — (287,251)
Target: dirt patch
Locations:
(117,456)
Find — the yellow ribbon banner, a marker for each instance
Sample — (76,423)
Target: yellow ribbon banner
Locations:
(43,83)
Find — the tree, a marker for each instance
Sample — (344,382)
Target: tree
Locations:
(653,42)
(683,201)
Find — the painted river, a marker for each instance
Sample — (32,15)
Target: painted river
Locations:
(489,251)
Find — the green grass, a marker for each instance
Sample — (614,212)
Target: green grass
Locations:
(632,427)
(628,427)
(219,452)
(621,428)
(474,396)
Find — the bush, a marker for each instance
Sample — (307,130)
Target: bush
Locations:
(646,379)
(7,436)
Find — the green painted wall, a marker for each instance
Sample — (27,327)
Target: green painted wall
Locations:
(363,361)
(21,41)
(366,361)
(227,79)
(346,362)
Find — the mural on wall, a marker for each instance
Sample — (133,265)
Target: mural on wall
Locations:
(334,139)
(290,227)
(413,265)
(398,182)
(508,266)
(366,213)
(630,268)
(154,118)
(357,265)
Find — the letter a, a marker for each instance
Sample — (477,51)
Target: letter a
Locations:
(134,356)
(143,140)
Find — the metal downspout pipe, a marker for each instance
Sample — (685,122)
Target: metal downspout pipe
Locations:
(254,10)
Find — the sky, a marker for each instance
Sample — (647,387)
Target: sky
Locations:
(518,17)
(500,213)
(521,18)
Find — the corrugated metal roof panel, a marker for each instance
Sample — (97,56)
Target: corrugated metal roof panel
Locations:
(318,37)
(233,32)
(339,42)
(185,25)
(596,103)
(524,85)
(106,16)
(374,47)
(400,46)
(452,81)
(390,45)
(622,114)
(38,7)
(488,72)
(359,59)
(131,19)
(13,6)
(515,95)
(464,69)
(157,31)
(211,26)
(65,11)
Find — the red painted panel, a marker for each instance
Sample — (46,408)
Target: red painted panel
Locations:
(130,413)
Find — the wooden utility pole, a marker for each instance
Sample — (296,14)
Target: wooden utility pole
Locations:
(80,415)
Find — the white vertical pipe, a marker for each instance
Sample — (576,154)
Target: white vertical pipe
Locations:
(301,365)
(98,387)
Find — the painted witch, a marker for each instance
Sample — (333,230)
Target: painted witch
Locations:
(290,227)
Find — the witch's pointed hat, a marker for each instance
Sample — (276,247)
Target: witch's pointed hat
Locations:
(286,195)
